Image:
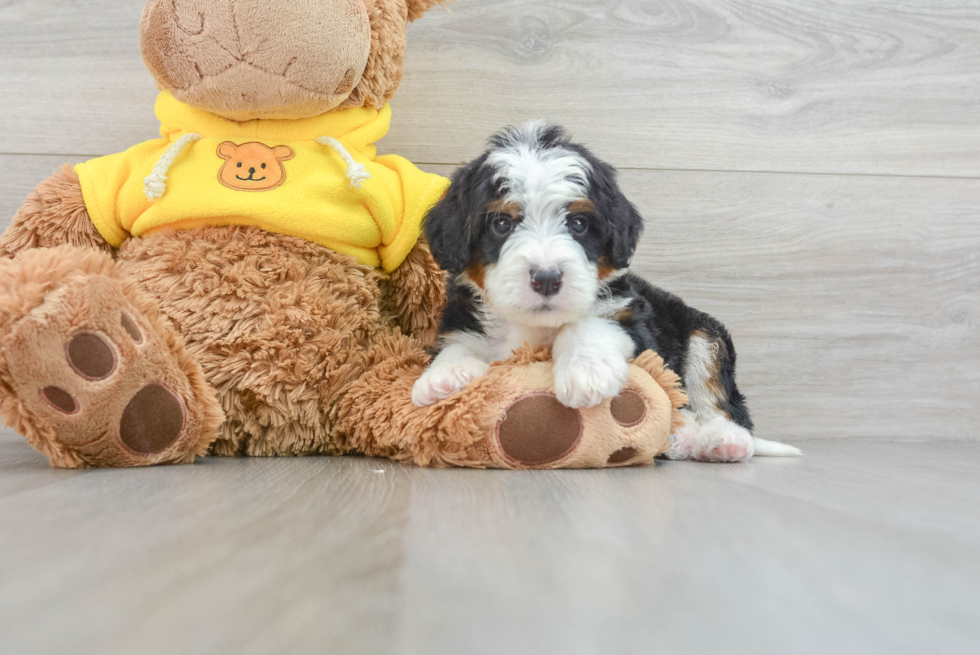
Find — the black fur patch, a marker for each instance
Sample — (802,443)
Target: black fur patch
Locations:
(660,321)
(456,227)
(463,308)
(619,225)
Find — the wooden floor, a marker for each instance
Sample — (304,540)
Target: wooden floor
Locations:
(860,547)
(810,174)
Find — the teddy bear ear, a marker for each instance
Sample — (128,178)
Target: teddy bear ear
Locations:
(227,150)
(418,7)
(283,153)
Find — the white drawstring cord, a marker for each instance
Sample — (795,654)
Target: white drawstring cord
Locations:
(155,184)
(356,172)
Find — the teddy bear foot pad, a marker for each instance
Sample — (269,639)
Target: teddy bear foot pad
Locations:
(536,431)
(100,382)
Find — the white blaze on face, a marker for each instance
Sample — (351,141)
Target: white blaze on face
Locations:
(542,181)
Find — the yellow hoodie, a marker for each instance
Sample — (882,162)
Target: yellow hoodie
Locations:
(316,178)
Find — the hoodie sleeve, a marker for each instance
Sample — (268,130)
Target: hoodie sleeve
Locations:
(417,192)
(112,189)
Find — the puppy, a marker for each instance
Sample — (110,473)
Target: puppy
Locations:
(537,239)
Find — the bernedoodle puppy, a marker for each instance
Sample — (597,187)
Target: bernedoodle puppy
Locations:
(537,238)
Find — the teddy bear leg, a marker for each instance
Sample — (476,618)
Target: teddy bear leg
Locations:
(508,418)
(89,372)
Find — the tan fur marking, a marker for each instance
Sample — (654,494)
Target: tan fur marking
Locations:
(511,209)
(713,383)
(605,268)
(583,206)
(476,274)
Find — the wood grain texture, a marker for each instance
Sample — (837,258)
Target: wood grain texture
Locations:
(859,547)
(773,85)
(852,296)
(279,556)
(853,300)
(777,85)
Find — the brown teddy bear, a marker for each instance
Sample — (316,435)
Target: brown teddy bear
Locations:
(254,282)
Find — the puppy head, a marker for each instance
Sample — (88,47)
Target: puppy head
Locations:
(536,224)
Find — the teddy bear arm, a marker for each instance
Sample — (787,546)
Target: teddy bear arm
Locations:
(53,214)
(414,294)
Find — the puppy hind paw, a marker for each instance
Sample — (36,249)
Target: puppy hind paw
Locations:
(721,440)
(683,440)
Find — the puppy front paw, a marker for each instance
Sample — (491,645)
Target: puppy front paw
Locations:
(443,380)
(586,382)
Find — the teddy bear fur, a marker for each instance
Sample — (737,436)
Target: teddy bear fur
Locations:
(273,345)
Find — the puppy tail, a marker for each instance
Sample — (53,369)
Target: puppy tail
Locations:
(765,448)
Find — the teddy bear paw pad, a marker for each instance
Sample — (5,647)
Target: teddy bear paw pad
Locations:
(153,419)
(94,374)
(537,431)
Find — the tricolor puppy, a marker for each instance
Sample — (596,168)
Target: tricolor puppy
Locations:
(537,239)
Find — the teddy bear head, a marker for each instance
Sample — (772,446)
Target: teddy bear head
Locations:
(247,59)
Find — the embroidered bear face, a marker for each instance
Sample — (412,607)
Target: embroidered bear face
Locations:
(253,166)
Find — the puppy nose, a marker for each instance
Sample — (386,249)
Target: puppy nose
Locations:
(546,282)
(251,171)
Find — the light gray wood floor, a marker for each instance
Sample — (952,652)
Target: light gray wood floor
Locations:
(860,547)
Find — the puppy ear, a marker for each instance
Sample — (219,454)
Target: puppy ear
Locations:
(624,224)
(448,225)
(627,227)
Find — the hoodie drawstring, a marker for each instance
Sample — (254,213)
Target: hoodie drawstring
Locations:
(155,184)
(356,172)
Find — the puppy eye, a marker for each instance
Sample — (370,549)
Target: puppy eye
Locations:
(263,165)
(239,164)
(501,226)
(578,225)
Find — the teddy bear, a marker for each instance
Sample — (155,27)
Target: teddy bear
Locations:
(255,282)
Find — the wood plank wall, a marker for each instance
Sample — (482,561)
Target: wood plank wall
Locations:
(809,170)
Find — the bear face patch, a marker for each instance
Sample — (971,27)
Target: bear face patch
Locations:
(253,166)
